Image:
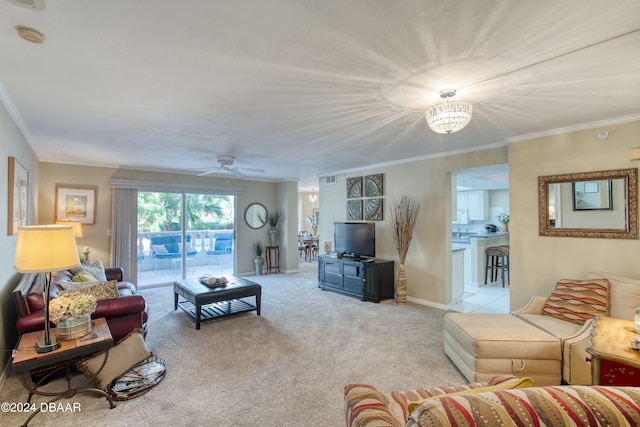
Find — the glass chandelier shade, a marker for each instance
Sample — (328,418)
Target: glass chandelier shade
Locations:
(449,116)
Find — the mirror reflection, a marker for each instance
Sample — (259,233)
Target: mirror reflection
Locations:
(591,204)
(591,195)
(255,215)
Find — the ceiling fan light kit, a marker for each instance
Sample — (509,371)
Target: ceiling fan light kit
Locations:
(449,116)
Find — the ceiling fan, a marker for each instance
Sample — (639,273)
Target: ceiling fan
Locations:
(226,166)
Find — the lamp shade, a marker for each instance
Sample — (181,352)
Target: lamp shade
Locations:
(45,248)
(77,226)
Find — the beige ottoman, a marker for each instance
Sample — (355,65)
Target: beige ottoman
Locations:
(483,345)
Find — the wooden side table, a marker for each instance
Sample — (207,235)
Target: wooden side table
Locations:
(25,358)
(613,361)
(273,259)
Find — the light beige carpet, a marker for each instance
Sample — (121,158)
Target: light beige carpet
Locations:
(286,367)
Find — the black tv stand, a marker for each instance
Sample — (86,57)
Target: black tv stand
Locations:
(369,279)
(357,258)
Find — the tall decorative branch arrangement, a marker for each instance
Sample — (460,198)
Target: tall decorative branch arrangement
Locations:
(403,217)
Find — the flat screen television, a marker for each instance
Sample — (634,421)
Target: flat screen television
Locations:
(355,239)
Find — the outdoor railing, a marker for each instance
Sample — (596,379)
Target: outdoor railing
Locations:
(200,241)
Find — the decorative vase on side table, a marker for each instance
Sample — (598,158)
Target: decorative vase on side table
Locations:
(73,327)
(273,218)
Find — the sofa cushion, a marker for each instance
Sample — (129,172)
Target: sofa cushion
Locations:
(553,405)
(578,300)
(624,294)
(159,249)
(100,290)
(557,327)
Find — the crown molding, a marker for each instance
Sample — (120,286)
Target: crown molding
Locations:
(576,128)
(15,115)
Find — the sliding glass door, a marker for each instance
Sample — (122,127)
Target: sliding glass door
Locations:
(184,235)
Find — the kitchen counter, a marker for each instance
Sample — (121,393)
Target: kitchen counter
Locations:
(476,243)
(466,238)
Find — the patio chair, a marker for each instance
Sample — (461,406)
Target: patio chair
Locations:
(222,247)
(168,247)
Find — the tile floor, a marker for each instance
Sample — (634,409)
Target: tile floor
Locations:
(491,298)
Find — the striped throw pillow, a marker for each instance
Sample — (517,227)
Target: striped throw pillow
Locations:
(578,300)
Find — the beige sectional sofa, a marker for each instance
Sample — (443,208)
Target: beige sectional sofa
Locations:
(483,345)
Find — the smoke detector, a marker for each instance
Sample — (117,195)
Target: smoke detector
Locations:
(29,4)
(30,34)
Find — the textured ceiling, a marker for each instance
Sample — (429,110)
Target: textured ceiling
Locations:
(306,88)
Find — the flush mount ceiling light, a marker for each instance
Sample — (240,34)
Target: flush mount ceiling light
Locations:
(29,4)
(30,34)
(449,116)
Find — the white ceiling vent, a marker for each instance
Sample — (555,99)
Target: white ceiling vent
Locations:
(329,180)
(29,4)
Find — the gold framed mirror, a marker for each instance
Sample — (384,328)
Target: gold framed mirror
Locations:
(602,204)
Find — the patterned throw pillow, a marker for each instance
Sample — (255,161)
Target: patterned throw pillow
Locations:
(100,290)
(578,300)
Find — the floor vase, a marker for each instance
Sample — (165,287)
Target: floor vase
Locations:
(401,287)
(258,262)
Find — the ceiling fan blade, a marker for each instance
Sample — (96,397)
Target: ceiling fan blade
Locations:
(207,173)
(235,172)
(253,170)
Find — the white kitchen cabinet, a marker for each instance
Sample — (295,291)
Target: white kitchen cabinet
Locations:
(478,205)
(462,200)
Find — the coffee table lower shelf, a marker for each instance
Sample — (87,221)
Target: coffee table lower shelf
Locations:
(217,310)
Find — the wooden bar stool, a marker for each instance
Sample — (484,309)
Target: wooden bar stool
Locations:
(497,258)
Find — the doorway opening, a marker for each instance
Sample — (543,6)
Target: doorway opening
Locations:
(480,196)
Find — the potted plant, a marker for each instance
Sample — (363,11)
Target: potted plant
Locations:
(503,218)
(273,218)
(258,261)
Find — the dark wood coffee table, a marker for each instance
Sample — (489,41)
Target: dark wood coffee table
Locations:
(205,303)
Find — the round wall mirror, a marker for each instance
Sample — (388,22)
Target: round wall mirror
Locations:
(255,215)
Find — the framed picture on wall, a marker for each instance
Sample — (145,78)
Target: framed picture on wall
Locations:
(18,196)
(76,204)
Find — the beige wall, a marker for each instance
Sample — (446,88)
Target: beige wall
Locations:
(539,261)
(13,144)
(94,235)
(272,195)
(428,265)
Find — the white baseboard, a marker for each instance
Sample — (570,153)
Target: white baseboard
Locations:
(429,303)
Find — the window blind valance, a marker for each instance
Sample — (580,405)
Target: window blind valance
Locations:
(193,187)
